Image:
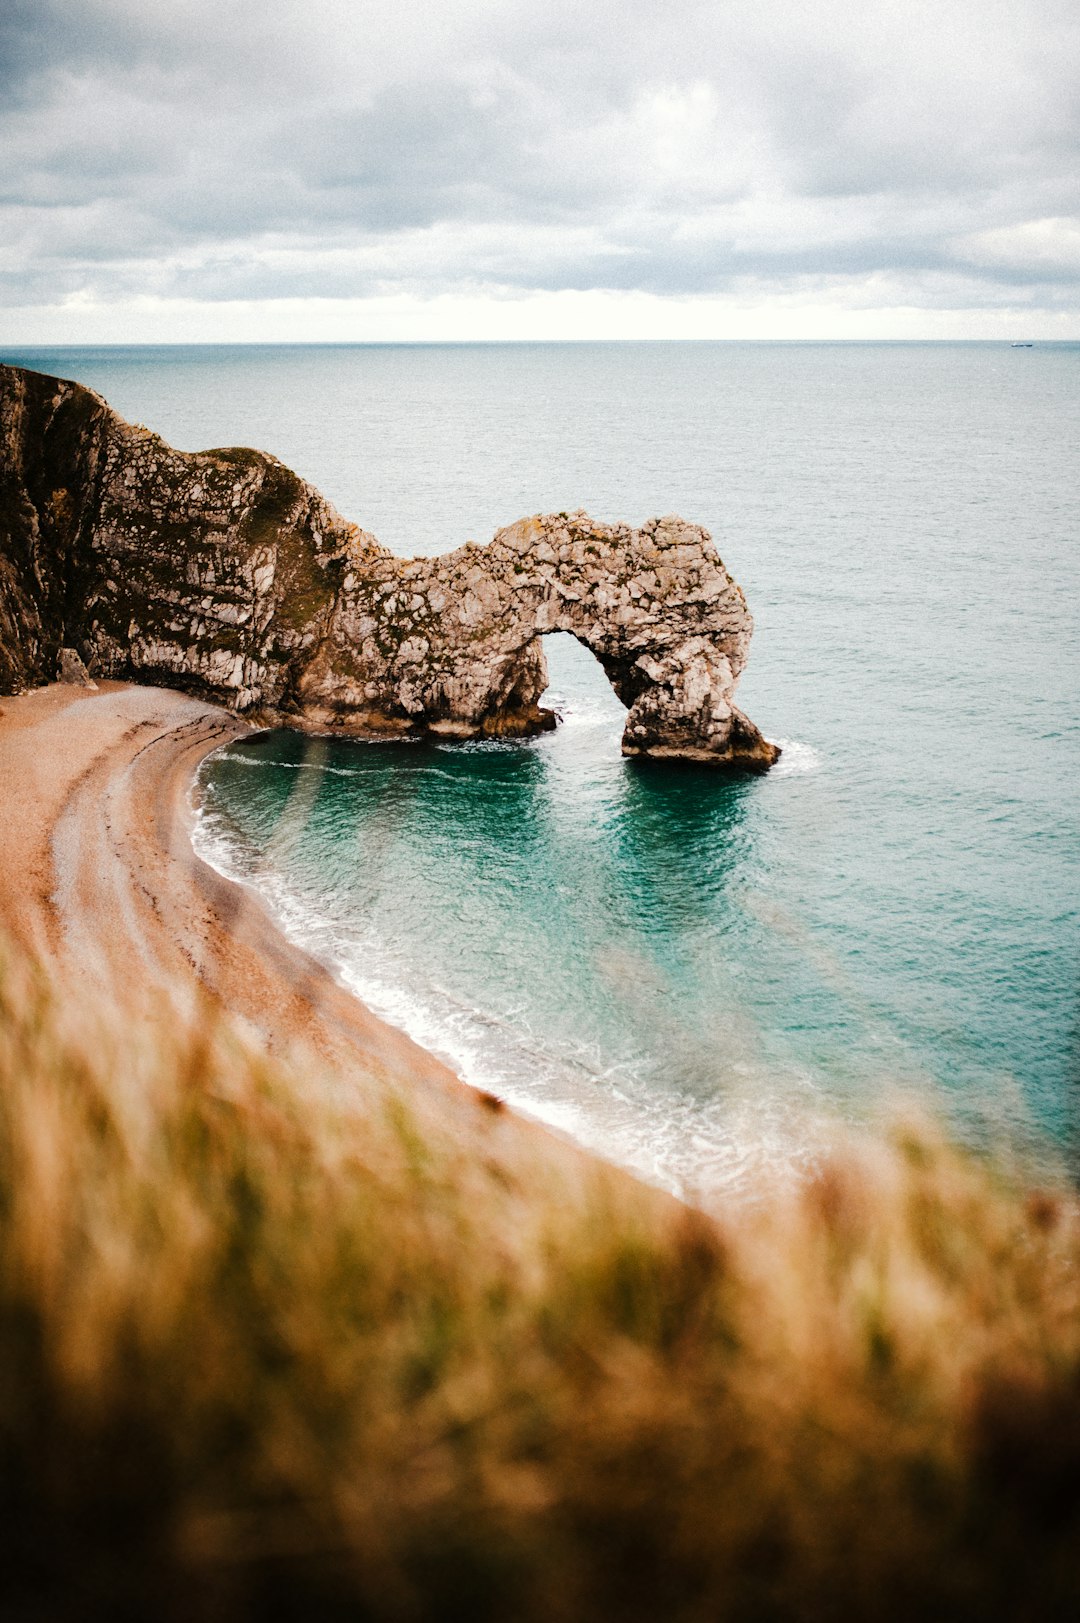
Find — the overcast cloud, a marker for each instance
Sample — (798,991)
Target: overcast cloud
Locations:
(213,161)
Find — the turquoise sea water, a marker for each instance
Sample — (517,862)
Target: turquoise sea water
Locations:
(685,971)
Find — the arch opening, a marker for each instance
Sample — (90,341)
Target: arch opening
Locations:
(577,683)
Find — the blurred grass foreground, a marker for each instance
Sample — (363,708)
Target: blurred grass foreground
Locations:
(261,1358)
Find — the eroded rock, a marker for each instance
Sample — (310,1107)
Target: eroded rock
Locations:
(71,670)
(223,573)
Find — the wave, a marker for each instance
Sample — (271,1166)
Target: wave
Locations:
(796,759)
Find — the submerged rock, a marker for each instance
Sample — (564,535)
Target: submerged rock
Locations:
(223,573)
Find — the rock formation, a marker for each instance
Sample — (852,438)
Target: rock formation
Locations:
(225,574)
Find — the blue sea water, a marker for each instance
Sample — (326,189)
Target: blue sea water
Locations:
(688,973)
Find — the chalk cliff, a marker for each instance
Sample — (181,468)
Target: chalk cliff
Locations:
(223,573)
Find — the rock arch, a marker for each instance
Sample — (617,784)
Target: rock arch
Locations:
(224,573)
(667,623)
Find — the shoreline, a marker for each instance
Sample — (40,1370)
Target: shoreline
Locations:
(105,889)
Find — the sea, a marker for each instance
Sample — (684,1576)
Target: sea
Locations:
(703,978)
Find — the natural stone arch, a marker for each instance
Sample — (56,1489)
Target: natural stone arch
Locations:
(223,573)
(451,644)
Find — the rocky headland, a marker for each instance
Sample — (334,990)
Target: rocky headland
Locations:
(223,574)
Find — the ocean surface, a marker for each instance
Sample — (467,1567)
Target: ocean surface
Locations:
(698,976)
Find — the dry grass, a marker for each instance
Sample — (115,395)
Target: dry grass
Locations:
(259,1360)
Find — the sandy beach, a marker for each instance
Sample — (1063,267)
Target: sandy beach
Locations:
(102,886)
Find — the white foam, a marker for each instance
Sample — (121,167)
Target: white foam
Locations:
(796,759)
(235,758)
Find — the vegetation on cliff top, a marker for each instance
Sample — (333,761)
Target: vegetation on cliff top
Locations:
(260,1360)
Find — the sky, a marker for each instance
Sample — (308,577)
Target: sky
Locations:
(411,170)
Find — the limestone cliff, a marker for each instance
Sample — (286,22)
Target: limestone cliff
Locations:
(224,573)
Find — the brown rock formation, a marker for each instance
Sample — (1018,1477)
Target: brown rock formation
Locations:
(224,574)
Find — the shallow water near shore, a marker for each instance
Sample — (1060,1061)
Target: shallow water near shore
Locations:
(685,970)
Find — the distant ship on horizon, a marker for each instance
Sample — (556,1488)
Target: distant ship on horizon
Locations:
(1023,346)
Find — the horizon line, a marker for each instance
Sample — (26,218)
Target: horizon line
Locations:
(507,343)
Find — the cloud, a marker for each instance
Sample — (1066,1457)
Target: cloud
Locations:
(278,151)
(1032,250)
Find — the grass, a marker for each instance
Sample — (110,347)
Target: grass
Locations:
(260,1359)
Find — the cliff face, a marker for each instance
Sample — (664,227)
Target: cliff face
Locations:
(215,572)
(223,573)
(42,517)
